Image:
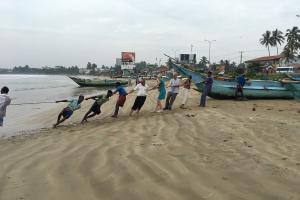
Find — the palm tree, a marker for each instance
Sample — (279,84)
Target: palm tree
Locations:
(277,37)
(293,39)
(289,54)
(203,61)
(267,40)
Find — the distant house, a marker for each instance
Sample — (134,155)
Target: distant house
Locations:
(267,60)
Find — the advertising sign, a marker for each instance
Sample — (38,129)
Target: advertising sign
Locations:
(128,56)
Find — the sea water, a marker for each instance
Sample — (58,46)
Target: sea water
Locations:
(35,89)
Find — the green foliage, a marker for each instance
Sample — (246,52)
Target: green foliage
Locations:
(293,44)
(267,40)
(277,38)
(46,70)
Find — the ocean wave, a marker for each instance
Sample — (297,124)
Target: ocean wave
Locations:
(41,88)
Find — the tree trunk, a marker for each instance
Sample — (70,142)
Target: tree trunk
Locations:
(269,50)
(277,48)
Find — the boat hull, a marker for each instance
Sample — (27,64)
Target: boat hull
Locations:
(97,83)
(254,89)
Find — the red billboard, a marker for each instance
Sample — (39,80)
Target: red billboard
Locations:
(128,56)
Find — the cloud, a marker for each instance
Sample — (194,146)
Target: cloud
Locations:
(52,32)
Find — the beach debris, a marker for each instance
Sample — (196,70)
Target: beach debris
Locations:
(297,163)
(190,115)
(253,109)
(280,110)
(283,158)
(225,140)
(246,144)
(157,144)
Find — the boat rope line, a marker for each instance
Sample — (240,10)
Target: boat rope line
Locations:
(36,103)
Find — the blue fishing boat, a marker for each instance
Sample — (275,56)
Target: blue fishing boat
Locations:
(253,89)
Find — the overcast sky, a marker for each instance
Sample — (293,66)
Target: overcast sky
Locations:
(73,32)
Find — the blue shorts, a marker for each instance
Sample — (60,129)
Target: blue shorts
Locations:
(67,112)
(1,121)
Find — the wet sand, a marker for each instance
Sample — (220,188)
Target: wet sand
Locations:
(225,151)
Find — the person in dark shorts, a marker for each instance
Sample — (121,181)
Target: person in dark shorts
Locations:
(121,100)
(66,113)
(207,88)
(240,86)
(96,107)
(141,90)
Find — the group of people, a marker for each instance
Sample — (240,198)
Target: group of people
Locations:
(141,90)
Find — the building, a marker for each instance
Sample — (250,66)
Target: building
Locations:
(118,62)
(187,58)
(127,63)
(267,60)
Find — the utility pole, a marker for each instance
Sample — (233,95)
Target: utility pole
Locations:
(209,46)
(241,60)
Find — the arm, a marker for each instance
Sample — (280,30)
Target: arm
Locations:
(62,101)
(92,97)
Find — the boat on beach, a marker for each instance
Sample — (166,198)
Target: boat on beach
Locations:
(253,89)
(96,82)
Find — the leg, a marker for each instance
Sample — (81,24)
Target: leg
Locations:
(242,93)
(168,100)
(116,111)
(86,116)
(203,98)
(173,97)
(184,97)
(59,120)
(159,104)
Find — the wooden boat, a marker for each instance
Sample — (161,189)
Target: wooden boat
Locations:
(253,89)
(96,82)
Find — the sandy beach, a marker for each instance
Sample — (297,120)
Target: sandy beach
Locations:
(225,151)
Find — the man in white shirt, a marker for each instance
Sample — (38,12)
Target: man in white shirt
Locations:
(141,90)
(172,94)
(4,102)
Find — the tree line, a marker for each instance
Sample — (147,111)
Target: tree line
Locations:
(277,38)
(74,70)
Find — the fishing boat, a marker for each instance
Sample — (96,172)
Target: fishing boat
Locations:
(96,82)
(253,89)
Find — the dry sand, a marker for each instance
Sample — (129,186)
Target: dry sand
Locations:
(225,151)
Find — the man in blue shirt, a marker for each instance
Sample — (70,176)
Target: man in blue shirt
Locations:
(207,88)
(240,85)
(121,100)
(67,112)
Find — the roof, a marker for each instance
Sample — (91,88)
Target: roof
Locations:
(265,59)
